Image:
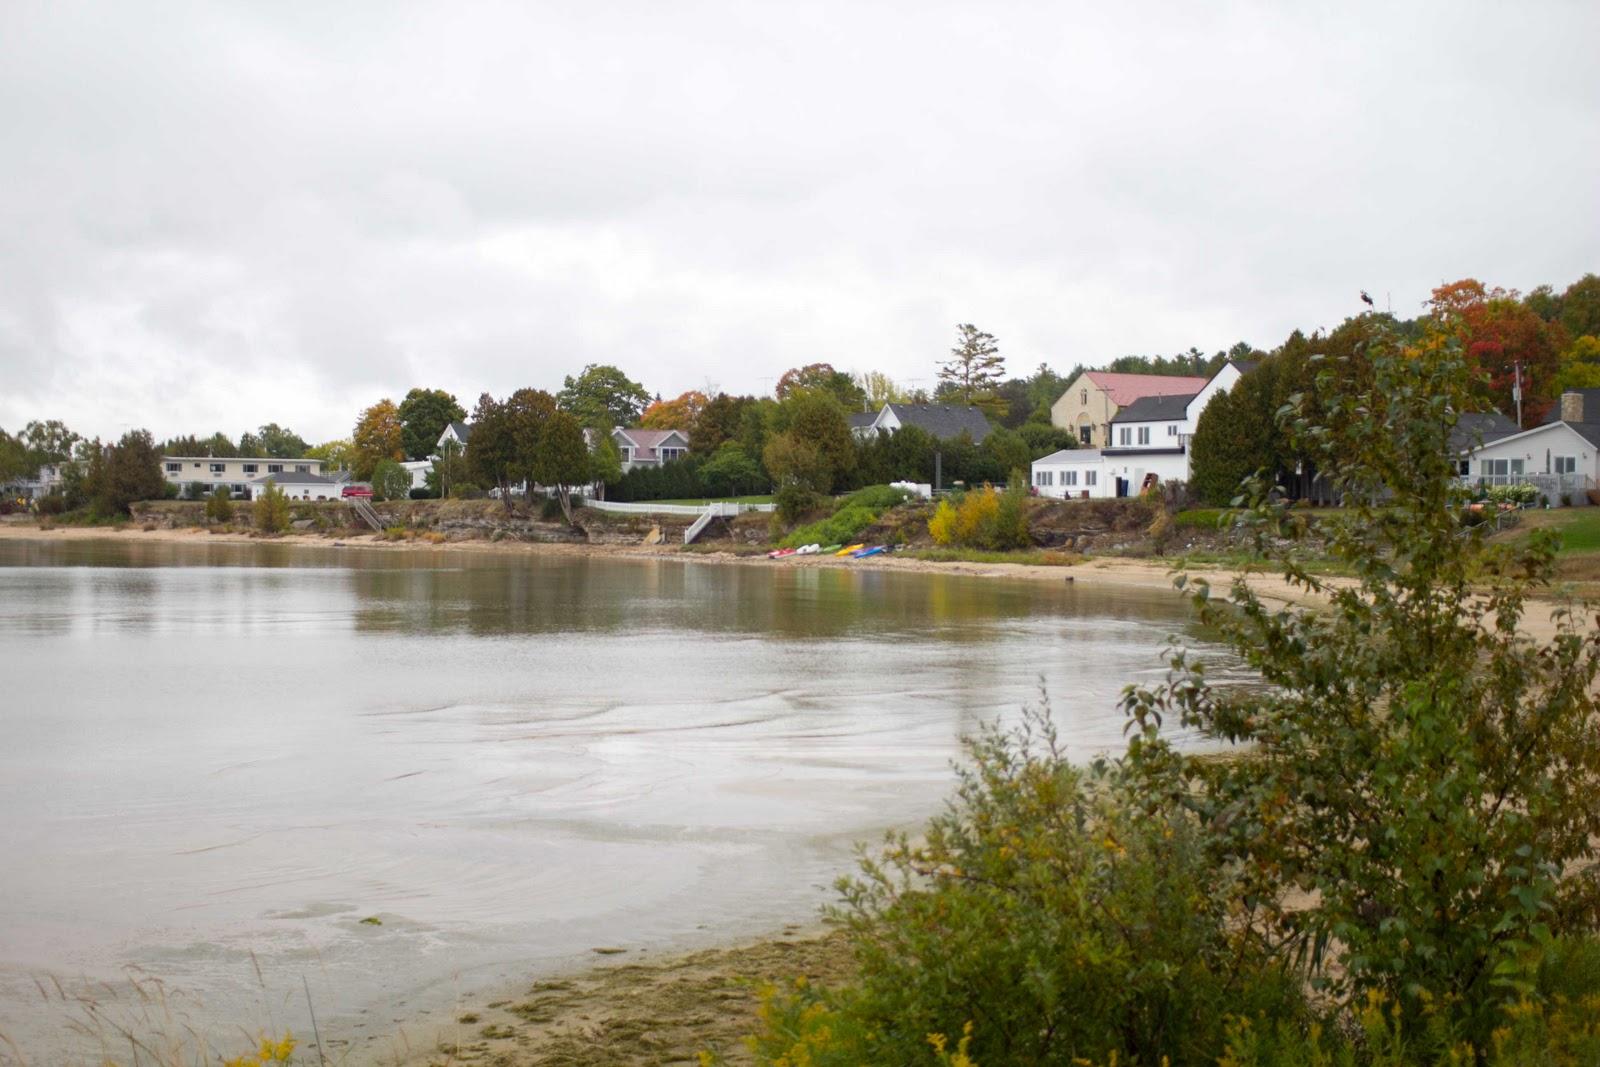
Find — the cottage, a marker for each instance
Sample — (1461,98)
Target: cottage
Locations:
(237,473)
(1095,397)
(1560,458)
(649,448)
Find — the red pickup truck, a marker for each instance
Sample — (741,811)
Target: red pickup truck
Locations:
(356,490)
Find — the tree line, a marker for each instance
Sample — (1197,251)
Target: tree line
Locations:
(1549,341)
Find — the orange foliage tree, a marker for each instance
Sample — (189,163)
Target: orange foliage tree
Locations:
(1499,332)
(679,413)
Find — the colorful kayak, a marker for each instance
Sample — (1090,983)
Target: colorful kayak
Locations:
(782,552)
(828,550)
(865,552)
(848,549)
(809,550)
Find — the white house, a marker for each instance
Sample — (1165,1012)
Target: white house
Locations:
(454,433)
(237,473)
(1147,441)
(299,485)
(418,469)
(1561,458)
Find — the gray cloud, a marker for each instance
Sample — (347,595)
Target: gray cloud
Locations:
(217,215)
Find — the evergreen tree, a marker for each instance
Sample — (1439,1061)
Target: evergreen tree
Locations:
(975,366)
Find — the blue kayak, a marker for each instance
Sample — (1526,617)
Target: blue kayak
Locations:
(865,552)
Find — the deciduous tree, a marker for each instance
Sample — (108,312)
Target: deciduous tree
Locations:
(125,473)
(390,481)
(1500,336)
(280,442)
(561,461)
(821,378)
(601,395)
(378,436)
(424,413)
(679,413)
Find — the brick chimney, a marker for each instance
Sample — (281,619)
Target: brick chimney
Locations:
(1572,406)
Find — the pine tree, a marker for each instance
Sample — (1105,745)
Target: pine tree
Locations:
(975,366)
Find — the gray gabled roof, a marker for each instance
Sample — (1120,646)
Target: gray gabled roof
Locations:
(943,421)
(861,420)
(292,478)
(1156,408)
(1480,427)
(463,431)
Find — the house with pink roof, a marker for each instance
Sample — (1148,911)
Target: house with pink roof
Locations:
(1094,397)
(649,448)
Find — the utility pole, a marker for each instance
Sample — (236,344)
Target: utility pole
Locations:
(1516,390)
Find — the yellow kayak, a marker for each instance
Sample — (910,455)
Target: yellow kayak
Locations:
(847,549)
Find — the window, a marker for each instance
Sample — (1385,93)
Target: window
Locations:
(1144,435)
(218,468)
(1172,431)
(174,468)
(274,468)
(1086,435)
(1089,477)
(1500,471)
(1566,464)
(1083,397)
(1044,478)
(671,453)
(250,468)
(1069,477)
(1124,436)
(302,468)
(627,454)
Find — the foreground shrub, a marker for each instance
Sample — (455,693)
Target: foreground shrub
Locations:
(271,509)
(1052,911)
(984,519)
(1424,778)
(219,505)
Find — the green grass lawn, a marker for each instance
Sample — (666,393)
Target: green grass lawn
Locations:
(1579,529)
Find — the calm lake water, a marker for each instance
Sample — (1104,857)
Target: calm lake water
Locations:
(216,761)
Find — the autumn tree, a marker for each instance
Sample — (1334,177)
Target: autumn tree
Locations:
(678,413)
(1501,336)
(378,436)
(822,378)
(424,413)
(601,395)
(1580,365)
(975,366)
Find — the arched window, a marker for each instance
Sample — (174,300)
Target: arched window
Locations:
(1083,396)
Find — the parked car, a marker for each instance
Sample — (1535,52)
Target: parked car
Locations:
(364,491)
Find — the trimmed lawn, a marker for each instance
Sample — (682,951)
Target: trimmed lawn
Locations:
(1580,532)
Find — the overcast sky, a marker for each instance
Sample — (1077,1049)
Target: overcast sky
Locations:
(216,215)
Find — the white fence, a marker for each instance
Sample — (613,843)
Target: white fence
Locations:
(647,507)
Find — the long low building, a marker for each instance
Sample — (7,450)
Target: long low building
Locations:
(236,473)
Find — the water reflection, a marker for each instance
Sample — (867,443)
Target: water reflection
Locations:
(219,757)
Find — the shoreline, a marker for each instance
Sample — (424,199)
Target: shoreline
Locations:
(1144,574)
